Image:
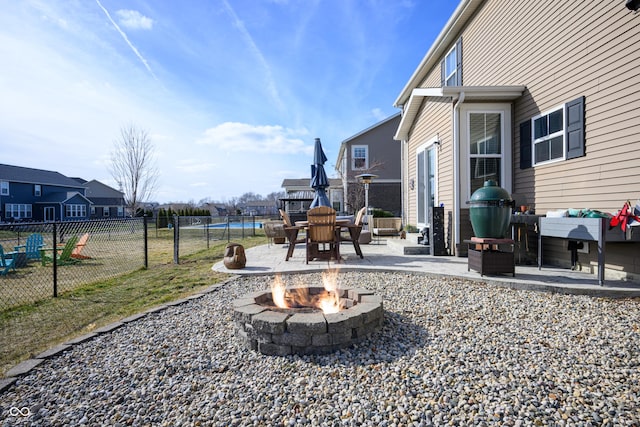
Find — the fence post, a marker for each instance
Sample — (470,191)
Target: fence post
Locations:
(228,229)
(176,239)
(208,235)
(55,260)
(145,223)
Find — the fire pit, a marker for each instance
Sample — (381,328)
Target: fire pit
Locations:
(306,319)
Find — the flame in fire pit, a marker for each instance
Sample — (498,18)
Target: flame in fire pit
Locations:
(298,297)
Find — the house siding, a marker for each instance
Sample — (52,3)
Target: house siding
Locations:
(559,52)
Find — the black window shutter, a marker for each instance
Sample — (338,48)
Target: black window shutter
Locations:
(442,73)
(574,113)
(459,62)
(525,144)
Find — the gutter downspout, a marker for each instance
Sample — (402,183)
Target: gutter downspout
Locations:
(456,172)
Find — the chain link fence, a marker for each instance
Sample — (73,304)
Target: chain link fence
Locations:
(70,254)
(70,274)
(194,233)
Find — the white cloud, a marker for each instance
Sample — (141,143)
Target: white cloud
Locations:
(134,20)
(232,136)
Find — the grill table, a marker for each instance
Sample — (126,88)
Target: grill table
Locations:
(491,256)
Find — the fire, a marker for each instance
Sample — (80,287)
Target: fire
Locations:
(296,297)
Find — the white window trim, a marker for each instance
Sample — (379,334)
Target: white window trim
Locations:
(506,148)
(561,132)
(353,158)
(4,188)
(455,69)
(37,190)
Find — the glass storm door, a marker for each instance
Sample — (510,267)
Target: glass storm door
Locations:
(426,163)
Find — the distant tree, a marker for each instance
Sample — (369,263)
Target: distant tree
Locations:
(275,197)
(133,166)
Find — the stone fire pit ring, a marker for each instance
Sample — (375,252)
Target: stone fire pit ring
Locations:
(263,327)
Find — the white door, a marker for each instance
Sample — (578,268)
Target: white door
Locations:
(426,182)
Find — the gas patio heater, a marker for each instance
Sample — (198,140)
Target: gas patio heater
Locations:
(366,179)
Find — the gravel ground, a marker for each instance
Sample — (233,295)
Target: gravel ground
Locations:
(451,352)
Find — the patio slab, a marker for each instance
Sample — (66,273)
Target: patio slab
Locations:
(389,255)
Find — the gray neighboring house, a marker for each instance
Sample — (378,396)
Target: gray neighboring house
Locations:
(373,151)
(107,202)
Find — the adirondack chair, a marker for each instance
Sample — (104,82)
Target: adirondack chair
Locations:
(32,246)
(63,257)
(5,263)
(77,251)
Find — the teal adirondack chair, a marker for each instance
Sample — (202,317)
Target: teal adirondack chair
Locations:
(6,263)
(32,246)
(63,257)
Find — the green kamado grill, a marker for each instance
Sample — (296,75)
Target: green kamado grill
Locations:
(490,211)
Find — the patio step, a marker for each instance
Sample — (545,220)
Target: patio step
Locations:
(407,247)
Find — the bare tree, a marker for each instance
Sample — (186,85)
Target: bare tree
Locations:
(133,166)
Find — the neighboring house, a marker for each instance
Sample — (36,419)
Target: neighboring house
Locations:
(299,194)
(540,96)
(372,151)
(107,202)
(259,208)
(28,194)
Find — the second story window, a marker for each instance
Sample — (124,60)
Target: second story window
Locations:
(4,188)
(360,158)
(451,66)
(37,190)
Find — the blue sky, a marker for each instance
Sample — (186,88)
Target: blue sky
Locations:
(232,93)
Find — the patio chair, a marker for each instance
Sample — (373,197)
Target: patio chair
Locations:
(354,231)
(274,230)
(322,231)
(77,250)
(63,257)
(6,263)
(32,246)
(291,231)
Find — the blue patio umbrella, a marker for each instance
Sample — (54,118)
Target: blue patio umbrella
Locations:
(319,180)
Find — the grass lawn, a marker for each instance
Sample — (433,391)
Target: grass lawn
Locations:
(27,330)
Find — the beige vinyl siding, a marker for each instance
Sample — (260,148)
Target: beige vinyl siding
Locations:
(561,52)
(434,119)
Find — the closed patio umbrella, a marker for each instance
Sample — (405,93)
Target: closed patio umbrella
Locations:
(319,180)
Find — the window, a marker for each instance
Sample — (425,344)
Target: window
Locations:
(76,211)
(120,211)
(360,159)
(426,179)
(553,136)
(93,210)
(485,148)
(451,66)
(548,136)
(4,188)
(18,211)
(105,211)
(37,190)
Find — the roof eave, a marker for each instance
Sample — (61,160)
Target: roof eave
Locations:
(445,39)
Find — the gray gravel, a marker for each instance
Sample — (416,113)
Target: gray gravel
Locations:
(452,352)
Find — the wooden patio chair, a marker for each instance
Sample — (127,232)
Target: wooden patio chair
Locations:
(63,257)
(354,231)
(6,263)
(322,230)
(291,231)
(77,250)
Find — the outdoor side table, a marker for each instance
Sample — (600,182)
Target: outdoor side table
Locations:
(491,256)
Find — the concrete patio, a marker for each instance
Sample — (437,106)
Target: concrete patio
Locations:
(390,255)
